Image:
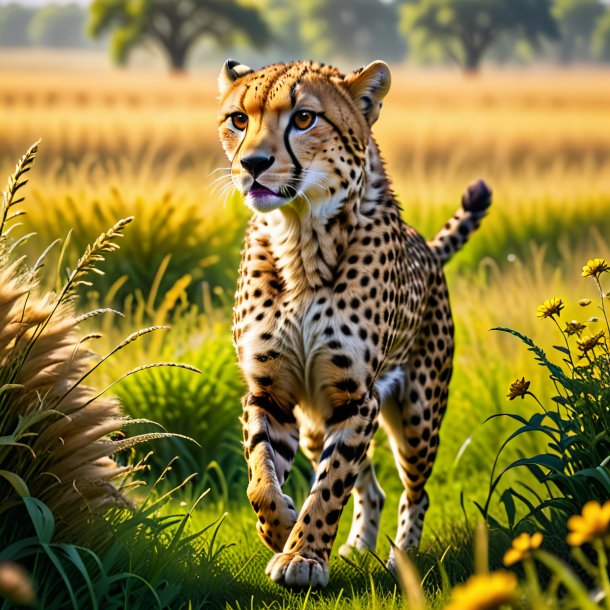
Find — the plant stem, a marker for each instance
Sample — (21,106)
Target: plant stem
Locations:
(531,577)
(575,587)
(603,571)
(603,307)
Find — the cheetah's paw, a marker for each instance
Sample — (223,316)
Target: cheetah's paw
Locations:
(354,549)
(293,570)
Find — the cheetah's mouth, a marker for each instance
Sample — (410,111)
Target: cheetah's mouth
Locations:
(263,199)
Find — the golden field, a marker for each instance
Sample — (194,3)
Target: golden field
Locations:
(134,142)
(121,143)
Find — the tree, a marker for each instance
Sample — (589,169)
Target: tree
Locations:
(601,38)
(467,29)
(175,25)
(57,25)
(286,24)
(353,30)
(14,22)
(577,21)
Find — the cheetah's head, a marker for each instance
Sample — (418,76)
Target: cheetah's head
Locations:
(298,132)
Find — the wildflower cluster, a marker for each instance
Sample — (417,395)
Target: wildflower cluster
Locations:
(586,344)
(573,472)
(501,588)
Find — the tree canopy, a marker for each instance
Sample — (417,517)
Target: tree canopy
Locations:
(175,25)
(577,22)
(354,30)
(600,44)
(14,22)
(466,29)
(58,25)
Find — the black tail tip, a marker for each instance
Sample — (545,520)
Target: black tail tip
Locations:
(477,197)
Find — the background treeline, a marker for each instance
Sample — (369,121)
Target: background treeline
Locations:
(194,32)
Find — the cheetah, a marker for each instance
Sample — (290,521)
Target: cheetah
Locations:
(342,319)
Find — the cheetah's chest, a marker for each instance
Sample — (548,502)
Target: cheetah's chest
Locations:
(298,347)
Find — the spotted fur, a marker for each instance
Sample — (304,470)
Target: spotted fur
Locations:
(342,318)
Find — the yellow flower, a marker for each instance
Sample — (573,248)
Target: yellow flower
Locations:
(518,388)
(522,545)
(550,308)
(588,342)
(592,523)
(484,592)
(595,267)
(574,328)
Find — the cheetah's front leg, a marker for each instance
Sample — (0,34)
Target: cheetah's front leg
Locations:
(304,560)
(271,440)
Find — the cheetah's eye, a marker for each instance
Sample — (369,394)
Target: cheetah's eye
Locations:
(303,119)
(239,120)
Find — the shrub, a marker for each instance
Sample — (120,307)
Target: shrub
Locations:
(55,429)
(82,539)
(576,465)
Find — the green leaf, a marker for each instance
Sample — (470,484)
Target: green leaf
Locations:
(55,560)
(7,387)
(18,550)
(42,518)
(73,555)
(509,506)
(546,460)
(16,481)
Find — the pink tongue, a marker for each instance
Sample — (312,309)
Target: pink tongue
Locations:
(261,191)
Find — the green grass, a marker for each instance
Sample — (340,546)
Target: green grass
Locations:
(495,295)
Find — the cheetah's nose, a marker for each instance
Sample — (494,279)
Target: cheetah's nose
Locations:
(255,166)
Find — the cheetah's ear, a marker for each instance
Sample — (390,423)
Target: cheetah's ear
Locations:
(368,86)
(230,72)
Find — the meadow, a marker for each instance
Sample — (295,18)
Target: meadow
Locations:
(143,144)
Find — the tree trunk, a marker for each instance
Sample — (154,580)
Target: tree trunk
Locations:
(472,59)
(177,58)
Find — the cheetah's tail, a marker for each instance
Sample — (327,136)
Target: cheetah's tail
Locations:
(475,203)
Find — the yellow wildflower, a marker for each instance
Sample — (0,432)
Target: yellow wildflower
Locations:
(484,592)
(518,388)
(574,328)
(588,342)
(592,523)
(522,545)
(550,308)
(595,267)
